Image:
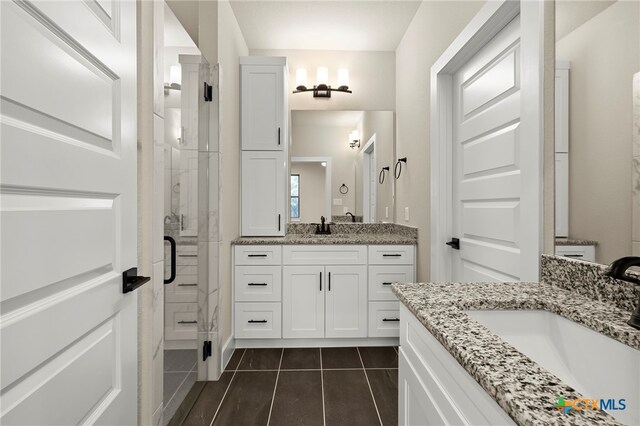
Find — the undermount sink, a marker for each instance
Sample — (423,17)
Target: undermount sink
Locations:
(593,364)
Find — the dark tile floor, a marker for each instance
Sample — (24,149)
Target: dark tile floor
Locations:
(302,386)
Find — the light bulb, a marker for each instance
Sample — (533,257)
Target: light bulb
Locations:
(301,77)
(343,77)
(322,75)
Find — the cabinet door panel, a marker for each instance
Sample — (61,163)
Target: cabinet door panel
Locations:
(262,107)
(303,301)
(346,312)
(263,198)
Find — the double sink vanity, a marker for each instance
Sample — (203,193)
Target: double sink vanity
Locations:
(470,353)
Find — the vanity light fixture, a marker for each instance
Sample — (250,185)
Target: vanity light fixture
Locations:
(354,139)
(175,78)
(322,89)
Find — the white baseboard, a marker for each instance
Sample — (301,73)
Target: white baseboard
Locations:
(227,352)
(316,343)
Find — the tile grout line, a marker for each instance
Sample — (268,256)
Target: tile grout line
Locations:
(324,417)
(366,376)
(273,397)
(227,389)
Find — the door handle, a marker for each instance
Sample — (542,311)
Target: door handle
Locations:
(454,243)
(172,242)
(187,322)
(131,280)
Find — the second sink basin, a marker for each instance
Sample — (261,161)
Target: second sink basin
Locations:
(593,364)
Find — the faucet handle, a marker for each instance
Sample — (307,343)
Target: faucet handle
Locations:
(618,269)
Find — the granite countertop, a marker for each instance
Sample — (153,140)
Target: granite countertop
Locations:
(391,239)
(526,391)
(575,242)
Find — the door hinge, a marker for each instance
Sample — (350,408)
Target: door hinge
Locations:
(206,350)
(208,92)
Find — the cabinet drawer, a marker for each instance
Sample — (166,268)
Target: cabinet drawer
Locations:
(180,321)
(258,255)
(382,276)
(187,258)
(587,253)
(184,289)
(258,283)
(391,255)
(384,319)
(324,255)
(258,320)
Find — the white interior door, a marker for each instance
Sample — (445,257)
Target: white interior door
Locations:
(68,205)
(488,183)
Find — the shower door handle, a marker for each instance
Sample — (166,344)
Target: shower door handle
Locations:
(172,242)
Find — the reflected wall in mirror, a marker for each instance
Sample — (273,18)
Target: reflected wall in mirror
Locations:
(597,56)
(331,175)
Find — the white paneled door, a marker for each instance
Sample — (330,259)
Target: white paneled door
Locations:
(68,212)
(488,183)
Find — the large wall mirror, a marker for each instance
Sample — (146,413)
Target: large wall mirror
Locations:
(597,159)
(342,166)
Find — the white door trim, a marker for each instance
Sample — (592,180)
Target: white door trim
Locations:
(327,179)
(366,181)
(482,28)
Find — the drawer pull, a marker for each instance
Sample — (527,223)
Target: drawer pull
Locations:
(391,255)
(187,322)
(387,283)
(260,284)
(187,255)
(187,285)
(573,255)
(391,319)
(257,255)
(257,321)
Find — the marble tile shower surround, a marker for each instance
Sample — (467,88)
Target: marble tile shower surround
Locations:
(588,279)
(357,228)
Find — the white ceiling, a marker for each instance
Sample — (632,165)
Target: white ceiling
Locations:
(174,33)
(348,119)
(365,25)
(570,14)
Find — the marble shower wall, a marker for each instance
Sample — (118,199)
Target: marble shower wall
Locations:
(635,167)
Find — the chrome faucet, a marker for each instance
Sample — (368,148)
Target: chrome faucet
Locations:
(618,270)
(353,218)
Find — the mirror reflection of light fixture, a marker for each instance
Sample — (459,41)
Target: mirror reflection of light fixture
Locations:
(322,89)
(175,78)
(354,139)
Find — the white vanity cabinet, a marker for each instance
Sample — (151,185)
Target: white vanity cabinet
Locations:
(321,291)
(387,264)
(257,292)
(324,301)
(324,291)
(263,193)
(263,100)
(264,143)
(434,389)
